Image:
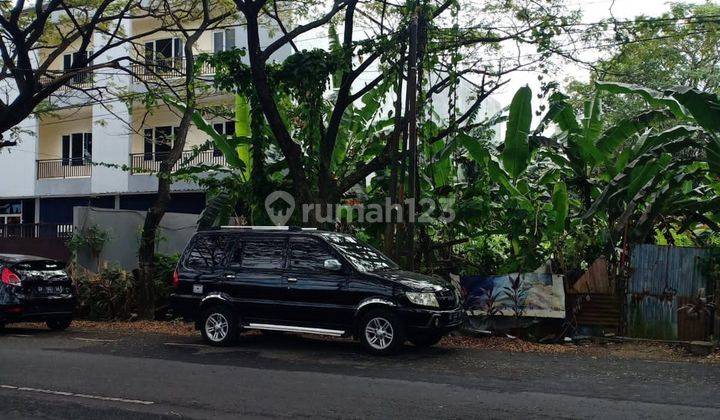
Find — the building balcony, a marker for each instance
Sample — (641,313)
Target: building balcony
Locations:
(148,163)
(165,68)
(80,81)
(63,168)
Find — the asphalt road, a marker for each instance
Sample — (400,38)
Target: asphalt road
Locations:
(104,375)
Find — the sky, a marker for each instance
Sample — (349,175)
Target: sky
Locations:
(593,11)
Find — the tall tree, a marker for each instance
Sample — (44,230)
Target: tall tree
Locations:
(189,20)
(678,48)
(314,176)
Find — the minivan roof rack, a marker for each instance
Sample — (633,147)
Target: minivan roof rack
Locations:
(270,227)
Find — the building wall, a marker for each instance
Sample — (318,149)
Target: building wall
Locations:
(123,226)
(17,163)
(111,137)
(53,127)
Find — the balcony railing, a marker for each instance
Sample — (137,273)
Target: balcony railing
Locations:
(63,168)
(165,68)
(36,230)
(83,80)
(144,163)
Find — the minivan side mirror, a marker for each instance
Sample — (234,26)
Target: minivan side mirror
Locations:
(332,265)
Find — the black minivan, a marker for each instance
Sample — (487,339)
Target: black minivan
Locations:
(312,282)
(35,289)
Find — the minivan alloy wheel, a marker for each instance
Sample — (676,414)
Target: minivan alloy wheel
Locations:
(379,333)
(216,327)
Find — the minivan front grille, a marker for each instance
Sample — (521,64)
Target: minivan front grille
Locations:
(447,299)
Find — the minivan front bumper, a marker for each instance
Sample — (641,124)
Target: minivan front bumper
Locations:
(428,320)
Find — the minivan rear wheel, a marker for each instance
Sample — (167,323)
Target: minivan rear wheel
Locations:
(381,332)
(219,326)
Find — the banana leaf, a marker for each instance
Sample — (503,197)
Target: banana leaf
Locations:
(516,155)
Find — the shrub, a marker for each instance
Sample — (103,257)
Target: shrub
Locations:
(107,295)
(110,294)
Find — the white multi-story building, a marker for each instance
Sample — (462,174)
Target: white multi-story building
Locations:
(49,172)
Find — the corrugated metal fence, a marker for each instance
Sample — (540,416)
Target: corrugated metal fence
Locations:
(663,279)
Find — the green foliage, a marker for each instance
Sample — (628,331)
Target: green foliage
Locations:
(93,239)
(517,152)
(107,295)
(110,294)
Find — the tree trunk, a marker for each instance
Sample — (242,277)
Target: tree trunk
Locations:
(390,238)
(146,253)
(412,139)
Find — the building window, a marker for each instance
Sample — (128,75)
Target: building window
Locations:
(158,142)
(227,128)
(72,61)
(164,55)
(224,40)
(76,149)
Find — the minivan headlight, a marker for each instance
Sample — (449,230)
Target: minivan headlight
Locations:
(422,299)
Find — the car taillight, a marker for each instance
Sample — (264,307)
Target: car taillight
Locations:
(8,277)
(176,279)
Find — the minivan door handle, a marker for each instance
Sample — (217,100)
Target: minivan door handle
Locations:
(292,280)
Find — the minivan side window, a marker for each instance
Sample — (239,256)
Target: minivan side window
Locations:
(263,254)
(207,253)
(308,254)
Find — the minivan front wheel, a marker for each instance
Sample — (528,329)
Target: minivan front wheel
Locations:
(219,326)
(381,332)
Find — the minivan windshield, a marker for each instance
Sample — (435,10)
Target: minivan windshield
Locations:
(362,256)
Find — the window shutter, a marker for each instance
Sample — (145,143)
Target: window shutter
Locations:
(76,60)
(218,41)
(148,144)
(65,150)
(229,39)
(179,47)
(87,152)
(220,128)
(149,52)
(67,61)
(76,149)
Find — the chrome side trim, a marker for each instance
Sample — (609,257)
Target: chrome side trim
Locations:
(292,328)
(213,295)
(374,301)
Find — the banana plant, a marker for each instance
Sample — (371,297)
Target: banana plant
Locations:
(226,192)
(656,176)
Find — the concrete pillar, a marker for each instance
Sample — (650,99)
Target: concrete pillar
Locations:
(112,138)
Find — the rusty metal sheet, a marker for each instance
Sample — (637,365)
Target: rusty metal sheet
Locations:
(661,278)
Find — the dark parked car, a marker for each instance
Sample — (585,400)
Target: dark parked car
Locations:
(35,289)
(308,281)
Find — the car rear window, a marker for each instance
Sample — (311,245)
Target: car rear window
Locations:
(43,265)
(207,253)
